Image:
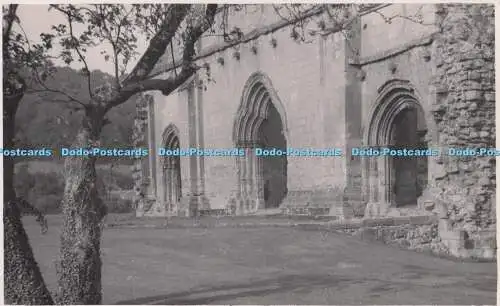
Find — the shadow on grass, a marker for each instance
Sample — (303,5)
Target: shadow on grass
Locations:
(216,294)
(300,285)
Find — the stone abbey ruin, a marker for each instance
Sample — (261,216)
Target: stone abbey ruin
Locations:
(382,82)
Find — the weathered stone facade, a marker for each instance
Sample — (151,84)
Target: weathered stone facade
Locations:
(464,110)
(141,170)
(426,83)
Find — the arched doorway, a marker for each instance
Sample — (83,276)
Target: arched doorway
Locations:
(171,170)
(260,124)
(397,122)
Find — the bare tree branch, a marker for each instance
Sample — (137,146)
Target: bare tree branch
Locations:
(188,68)
(114,41)
(158,44)
(165,86)
(416,19)
(47,89)
(244,39)
(173,56)
(77,49)
(115,51)
(68,103)
(195,32)
(40,82)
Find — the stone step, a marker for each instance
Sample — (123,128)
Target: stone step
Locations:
(309,211)
(215,212)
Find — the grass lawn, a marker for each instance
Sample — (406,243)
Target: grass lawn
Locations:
(268,265)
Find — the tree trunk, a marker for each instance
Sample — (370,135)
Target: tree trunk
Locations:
(79,268)
(23,281)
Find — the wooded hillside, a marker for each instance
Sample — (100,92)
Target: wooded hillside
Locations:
(42,123)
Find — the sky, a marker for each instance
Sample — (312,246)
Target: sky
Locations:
(36,19)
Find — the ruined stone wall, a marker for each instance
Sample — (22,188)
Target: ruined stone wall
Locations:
(140,167)
(415,236)
(465,114)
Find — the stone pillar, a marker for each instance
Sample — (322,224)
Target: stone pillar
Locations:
(386,178)
(246,170)
(167,185)
(259,183)
(353,201)
(373,177)
(238,192)
(200,140)
(151,145)
(172,186)
(252,192)
(143,200)
(248,195)
(378,185)
(196,200)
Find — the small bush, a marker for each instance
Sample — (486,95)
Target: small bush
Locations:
(359,209)
(50,183)
(48,204)
(45,189)
(118,205)
(124,181)
(24,181)
(116,180)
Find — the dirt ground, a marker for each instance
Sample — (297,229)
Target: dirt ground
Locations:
(268,265)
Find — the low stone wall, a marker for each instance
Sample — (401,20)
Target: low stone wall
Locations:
(422,234)
(423,238)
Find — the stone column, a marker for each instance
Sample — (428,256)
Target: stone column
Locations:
(248,195)
(373,190)
(256,181)
(197,202)
(246,180)
(259,183)
(151,146)
(143,200)
(250,179)
(353,195)
(168,185)
(234,202)
(384,182)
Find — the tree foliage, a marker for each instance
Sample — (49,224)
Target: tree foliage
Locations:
(122,27)
(44,119)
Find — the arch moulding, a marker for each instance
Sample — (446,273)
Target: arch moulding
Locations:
(170,138)
(393,97)
(258,95)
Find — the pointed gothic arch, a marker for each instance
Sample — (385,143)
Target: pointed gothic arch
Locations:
(171,170)
(260,123)
(396,121)
(258,95)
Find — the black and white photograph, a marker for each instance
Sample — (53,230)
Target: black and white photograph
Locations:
(159,153)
